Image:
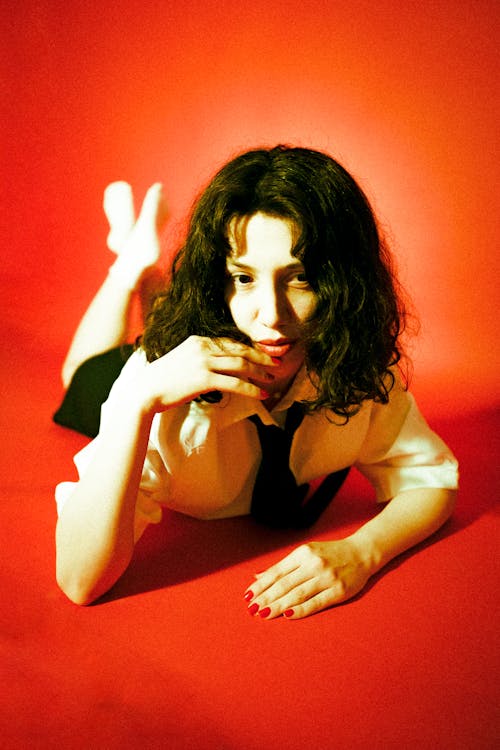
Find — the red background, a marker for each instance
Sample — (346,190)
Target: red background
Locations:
(406,96)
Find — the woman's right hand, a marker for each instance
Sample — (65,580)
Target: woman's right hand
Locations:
(200,365)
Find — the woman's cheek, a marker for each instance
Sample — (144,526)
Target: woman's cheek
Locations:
(239,314)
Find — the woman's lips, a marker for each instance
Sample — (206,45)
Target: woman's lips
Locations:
(275,349)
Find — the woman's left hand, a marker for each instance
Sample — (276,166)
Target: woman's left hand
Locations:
(313,577)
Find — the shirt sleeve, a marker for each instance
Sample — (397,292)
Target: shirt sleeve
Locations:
(416,458)
(154,476)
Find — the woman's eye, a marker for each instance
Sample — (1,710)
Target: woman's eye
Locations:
(300,279)
(242,279)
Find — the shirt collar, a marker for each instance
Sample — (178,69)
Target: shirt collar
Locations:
(234,408)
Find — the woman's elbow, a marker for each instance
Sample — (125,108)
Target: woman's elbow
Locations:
(451,501)
(74,587)
(84,579)
(446,500)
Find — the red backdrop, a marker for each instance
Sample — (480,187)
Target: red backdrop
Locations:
(402,93)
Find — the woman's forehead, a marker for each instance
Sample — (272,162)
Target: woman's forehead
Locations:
(246,233)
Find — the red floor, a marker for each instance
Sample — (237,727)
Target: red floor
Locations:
(172,660)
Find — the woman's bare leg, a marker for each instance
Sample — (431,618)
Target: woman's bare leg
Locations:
(105,323)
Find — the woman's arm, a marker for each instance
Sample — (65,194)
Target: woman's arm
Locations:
(320,574)
(408,519)
(95,530)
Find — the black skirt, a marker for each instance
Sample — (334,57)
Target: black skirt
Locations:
(80,409)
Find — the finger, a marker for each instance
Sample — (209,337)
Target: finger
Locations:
(304,600)
(297,596)
(233,384)
(335,594)
(239,366)
(285,566)
(225,346)
(265,579)
(298,580)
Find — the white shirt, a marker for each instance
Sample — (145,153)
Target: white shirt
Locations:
(202,459)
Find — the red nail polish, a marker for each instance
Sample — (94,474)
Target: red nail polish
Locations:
(276,360)
(264,394)
(249,596)
(288,613)
(253,609)
(265,612)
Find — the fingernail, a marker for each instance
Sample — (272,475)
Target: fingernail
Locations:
(249,596)
(264,394)
(253,609)
(288,613)
(265,612)
(276,360)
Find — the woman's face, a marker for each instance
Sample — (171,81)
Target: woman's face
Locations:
(267,291)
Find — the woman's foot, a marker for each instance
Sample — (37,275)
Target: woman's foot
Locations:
(118,206)
(139,251)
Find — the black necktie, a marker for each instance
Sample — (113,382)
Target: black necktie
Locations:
(277,500)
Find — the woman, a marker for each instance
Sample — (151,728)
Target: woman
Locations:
(282,309)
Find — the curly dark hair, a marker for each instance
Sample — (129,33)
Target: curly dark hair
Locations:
(353,340)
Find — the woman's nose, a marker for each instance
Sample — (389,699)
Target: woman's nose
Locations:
(272,308)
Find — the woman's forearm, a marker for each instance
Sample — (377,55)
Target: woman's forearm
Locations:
(408,519)
(95,530)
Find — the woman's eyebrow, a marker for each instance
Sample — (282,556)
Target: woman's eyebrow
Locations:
(238,264)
